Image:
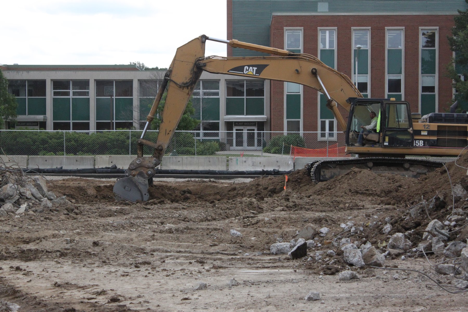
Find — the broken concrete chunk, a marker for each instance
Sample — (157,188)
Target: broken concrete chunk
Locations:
(365,247)
(387,228)
(45,203)
(8,207)
(308,232)
(348,246)
(399,241)
(201,286)
(447,269)
(373,257)
(324,231)
(461,284)
(233,282)
(22,209)
(235,233)
(440,232)
(312,296)
(61,201)
(9,193)
(25,192)
(348,275)
(36,194)
(40,184)
(345,241)
(353,257)
(299,251)
(464,259)
(438,246)
(453,249)
(310,244)
(280,248)
(425,246)
(51,196)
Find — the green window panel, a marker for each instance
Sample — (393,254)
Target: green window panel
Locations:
(80,109)
(427,104)
(428,61)
(196,107)
(145,107)
(295,50)
(463,105)
(328,57)
(103,109)
(21,107)
(325,112)
(293,106)
(363,62)
(61,109)
(394,61)
(123,109)
(395,96)
(235,106)
(210,109)
(255,106)
(36,106)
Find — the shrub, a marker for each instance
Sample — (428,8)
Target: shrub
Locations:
(282,144)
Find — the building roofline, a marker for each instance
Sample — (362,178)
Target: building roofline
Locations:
(363,13)
(69,67)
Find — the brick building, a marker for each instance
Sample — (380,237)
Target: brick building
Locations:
(400,50)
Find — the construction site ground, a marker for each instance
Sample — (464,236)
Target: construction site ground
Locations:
(204,245)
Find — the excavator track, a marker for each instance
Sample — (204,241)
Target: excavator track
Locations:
(324,170)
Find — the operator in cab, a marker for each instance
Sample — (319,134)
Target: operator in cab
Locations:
(367,129)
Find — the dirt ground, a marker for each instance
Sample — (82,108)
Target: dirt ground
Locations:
(176,252)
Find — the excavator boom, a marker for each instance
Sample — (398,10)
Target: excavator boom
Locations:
(186,69)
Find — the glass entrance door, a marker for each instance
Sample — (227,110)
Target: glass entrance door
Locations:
(245,137)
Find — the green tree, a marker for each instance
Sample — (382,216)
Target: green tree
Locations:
(187,122)
(459,44)
(7,102)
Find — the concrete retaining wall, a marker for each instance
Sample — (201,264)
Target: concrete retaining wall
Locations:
(121,161)
(14,161)
(194,163)
(260,163)
(66,162)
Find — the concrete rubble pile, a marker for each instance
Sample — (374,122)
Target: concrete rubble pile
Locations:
(21,194)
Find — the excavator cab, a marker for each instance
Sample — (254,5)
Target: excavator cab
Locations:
(394,124)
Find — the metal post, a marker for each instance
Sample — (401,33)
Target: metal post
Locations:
(261,143)
(129,142)
(111,113)
(327,145)
(64,145)
(195,138)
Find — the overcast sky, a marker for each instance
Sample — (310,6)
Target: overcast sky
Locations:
(68,32)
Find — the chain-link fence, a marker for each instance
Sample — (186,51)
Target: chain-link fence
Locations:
(124,142)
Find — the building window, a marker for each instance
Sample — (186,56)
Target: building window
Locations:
(245,97)
(327,54)
(30,96)
(428,70)
(293,95)
(206,103)
(70,104)
(361,47)
(148,91)
(114,104)
(395,66)
(293,40)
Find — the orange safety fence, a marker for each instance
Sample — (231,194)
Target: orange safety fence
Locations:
(332,151)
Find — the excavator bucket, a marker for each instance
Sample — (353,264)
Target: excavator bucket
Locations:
(132,188)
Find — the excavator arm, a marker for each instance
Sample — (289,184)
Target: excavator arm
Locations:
(186,69)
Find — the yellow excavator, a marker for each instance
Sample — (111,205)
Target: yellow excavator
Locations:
(398,133)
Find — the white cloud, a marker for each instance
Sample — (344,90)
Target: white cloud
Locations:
(107,32)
